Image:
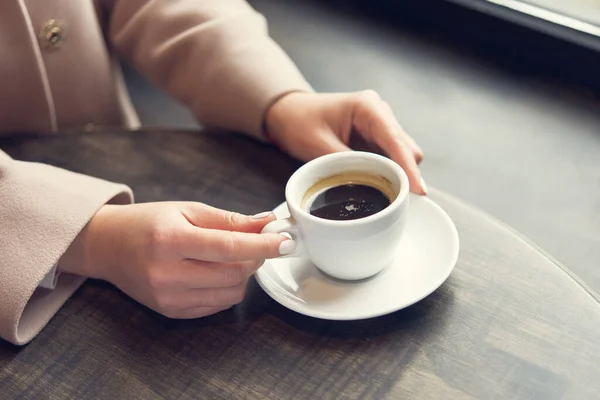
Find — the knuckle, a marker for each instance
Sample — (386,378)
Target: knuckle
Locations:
(369,94)
(369,124)
(157,278)
(230,247)
(368,97)
(419,155)
(272,246)
(161,238)
(233,218)
(235,275)
(267,246)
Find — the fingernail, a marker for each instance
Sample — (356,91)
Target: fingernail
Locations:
(423,185)
(287,247)
(262,215)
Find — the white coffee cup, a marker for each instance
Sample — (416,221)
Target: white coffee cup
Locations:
(352,249)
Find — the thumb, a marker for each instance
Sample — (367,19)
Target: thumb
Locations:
(207,217)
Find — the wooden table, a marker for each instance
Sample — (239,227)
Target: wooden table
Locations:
(510,323)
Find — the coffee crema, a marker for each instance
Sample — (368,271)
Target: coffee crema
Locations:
(348,196)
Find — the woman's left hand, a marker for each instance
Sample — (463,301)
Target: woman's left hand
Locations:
(309,125)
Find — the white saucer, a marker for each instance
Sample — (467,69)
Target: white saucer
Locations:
(427,254)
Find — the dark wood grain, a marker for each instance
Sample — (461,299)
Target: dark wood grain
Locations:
(508,324)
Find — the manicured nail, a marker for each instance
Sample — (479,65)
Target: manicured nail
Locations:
(287,247)
(423,185)
(262,215)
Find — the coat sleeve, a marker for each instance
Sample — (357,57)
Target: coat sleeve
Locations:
(42,210)
(214,56)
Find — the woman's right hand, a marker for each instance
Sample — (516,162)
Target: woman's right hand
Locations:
(182,259)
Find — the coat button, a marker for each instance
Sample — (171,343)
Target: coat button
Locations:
(52,35)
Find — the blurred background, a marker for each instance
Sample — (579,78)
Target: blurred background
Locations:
(502,95)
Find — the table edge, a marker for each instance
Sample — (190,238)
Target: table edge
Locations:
(498,222)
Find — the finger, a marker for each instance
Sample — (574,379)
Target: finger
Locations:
(227,246)
(417,151)
(397,130)
(372,120)
(205,216)
(193,274)
(246,268)
(392,128)
(200,312)
(197,312)
(410,142)
(405,158)
(211,297)
(398,151)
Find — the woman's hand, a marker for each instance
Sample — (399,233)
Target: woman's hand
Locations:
(308,125)
(183,260)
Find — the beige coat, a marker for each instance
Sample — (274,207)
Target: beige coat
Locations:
(58,71)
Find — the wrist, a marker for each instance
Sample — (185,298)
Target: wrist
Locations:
(92,253)
(276,116)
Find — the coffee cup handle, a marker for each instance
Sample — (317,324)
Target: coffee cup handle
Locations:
(288,226)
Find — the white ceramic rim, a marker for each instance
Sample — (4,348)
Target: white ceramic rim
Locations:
(316,163)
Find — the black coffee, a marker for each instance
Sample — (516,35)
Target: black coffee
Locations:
(349,201)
